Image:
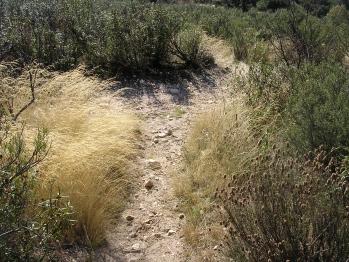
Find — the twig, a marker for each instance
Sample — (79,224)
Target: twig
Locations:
(32,79)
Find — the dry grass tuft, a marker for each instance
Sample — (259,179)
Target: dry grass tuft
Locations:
(93,148)
(219,144)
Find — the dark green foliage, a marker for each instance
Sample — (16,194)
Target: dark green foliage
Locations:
(318,108)
(30,228)
(298,37)
(311,100)
(29,231)
(272,4)
(52,32)
(243,4)
(112,35)
(141,36)
(188,47)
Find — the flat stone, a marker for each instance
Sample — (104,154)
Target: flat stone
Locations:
(149,185)
(153,164)
(130,218)
(171,232)
(133,235)
(136,247)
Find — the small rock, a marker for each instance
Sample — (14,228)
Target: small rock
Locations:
(162,135)
(181,216)
(215,247)
(157,235)
(149,185)
(156,141)
(174,91)
(171,232)
(130,218)
(153,164)
(136,247)
(169,132)
(133,235)
(148,221)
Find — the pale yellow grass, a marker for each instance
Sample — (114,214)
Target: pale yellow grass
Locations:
(219,144)
(93,150)
(222,52)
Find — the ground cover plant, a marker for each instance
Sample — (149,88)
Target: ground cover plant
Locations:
(265,173)
(287,196)
(48,199)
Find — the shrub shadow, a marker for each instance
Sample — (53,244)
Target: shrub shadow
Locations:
(175,83)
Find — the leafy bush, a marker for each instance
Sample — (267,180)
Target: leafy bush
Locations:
(141,36)
(56,33)
(339,17)
(267,85)
(111,35)
(298,37)
(318,108)
(28,230)
(285,209)
(187,46)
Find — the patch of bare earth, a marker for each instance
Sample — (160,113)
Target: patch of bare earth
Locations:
(150,228)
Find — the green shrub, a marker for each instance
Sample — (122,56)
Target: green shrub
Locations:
(141,36)
(187,46)
(30,228)
(29,231)
(338,18)
(266,85)
(318,108)
(298,37)
(286,209)
(312,101)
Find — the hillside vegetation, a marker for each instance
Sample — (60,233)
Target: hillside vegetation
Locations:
(265,175)
(272,170)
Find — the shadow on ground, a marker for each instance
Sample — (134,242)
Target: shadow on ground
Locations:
(175,83)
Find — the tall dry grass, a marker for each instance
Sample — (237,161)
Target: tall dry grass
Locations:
(219,144)
(94,144)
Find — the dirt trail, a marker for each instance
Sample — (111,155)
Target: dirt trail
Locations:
(151,226)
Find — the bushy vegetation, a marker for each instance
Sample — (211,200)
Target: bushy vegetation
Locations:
(103,140)
(30,228)
(115,36)
(287,209)
(276,204)
(318,108)
(47,198)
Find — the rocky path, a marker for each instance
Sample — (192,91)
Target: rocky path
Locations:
(151,226)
